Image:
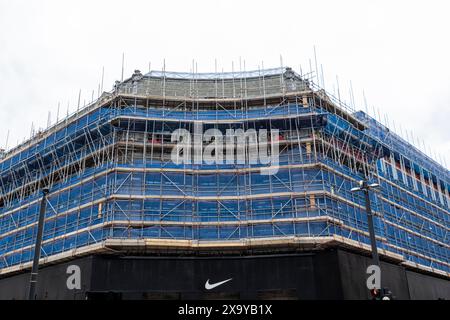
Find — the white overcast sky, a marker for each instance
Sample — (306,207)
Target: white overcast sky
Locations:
(398,52)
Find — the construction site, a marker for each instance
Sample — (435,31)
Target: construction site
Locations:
(116,196)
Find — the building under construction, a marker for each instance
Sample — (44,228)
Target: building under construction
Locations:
(142,226)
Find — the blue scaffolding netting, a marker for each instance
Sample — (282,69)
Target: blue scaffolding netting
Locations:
(111,175)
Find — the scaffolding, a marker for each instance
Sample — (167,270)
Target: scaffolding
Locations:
(114,188)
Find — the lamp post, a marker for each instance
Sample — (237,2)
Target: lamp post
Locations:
(365,187)
(378,293)
(37,247)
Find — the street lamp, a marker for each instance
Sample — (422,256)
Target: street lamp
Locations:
(378,293)
(37,247)
(365,187)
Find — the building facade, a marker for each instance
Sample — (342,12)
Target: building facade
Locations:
(116,189)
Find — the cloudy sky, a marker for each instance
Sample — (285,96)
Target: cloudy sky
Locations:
(398,52)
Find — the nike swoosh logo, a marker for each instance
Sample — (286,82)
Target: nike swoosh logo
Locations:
(209,286)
